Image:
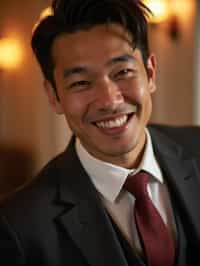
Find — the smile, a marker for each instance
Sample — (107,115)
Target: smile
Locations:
(116,122)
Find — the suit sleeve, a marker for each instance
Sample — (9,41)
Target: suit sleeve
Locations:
(11,251)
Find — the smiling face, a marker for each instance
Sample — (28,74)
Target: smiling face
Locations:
(104,91)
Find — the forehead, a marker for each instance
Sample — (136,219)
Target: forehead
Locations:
(96,44)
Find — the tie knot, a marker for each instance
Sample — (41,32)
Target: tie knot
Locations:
(137,184)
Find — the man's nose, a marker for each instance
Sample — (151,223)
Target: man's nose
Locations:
(108,95)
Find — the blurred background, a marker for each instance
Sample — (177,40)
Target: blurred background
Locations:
(31,134)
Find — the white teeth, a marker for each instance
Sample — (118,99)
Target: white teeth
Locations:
(118,122)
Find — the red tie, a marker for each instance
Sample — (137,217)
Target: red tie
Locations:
(156,239)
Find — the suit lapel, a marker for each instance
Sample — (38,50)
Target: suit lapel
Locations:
(86,222)
(91,231)
(183,178)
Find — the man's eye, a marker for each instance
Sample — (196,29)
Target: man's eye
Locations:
(124,73)
(79,84)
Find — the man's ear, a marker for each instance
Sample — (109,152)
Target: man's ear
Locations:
(151,72)
(52,97)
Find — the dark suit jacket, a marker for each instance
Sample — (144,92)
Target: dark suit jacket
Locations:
(59,219)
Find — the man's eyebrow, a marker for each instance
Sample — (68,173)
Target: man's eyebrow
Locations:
(74,70)
(121,59)
(83,69)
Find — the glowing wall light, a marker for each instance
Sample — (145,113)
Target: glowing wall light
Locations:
(172,12)
(160,10)
(183,8)
(10,53)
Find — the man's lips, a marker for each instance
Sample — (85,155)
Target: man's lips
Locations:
(113,123)
(116,121)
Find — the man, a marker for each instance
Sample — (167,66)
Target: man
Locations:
(79,211)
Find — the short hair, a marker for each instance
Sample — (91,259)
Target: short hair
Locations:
(69,16)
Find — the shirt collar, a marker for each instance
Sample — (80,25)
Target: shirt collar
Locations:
(149,162)
(109,178)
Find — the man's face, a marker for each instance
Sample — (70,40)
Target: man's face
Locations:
(104,91)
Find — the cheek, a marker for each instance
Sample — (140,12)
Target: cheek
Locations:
(75,107)
(147,107)
(139,93)
(143,91)
(137,90)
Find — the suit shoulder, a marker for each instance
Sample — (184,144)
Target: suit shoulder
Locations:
(30,212)
(36,191)
(188,137)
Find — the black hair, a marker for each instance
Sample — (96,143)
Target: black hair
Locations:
(70,16)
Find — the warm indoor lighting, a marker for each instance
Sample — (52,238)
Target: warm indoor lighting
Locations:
(173,12)
(183,8)
(10,53)
(46,12)
(159,8)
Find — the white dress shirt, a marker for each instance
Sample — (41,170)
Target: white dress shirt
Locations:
(109,180)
